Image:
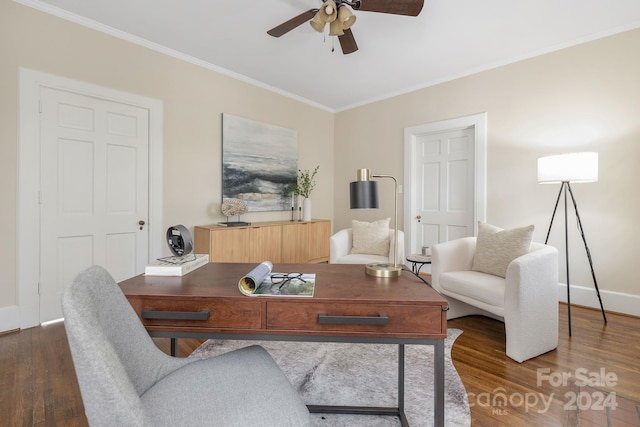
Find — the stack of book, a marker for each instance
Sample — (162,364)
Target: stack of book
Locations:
(176,266)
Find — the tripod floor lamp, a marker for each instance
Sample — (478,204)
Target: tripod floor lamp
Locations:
(364,195)
(565,169)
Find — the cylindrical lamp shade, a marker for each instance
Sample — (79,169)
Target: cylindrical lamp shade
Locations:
(573,167)
(364,194)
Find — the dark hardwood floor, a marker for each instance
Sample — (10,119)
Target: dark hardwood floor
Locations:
(39,386)
(606,357)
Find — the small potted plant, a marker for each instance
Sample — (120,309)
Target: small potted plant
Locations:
(304,187)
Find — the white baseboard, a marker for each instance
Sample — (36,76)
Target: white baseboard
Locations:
(613,301)
(9,318)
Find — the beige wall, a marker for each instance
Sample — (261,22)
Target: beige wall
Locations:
(193,98)
(582,98)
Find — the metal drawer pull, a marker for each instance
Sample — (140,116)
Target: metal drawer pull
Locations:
(176,315)
(381,319)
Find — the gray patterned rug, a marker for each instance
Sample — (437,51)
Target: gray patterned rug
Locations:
(362,375)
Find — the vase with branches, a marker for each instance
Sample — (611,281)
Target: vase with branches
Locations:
(306,182)
(305,185)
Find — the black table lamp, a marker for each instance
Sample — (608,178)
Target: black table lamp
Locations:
(364,195)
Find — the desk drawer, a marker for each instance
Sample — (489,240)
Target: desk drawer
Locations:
(354,317)
(202,313)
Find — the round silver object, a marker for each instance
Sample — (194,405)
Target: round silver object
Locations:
(179,240)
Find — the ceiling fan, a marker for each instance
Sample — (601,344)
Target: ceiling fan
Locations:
(340,18)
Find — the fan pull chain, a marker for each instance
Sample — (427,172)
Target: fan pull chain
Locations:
(333,41)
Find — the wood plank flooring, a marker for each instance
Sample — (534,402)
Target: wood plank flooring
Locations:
(39,386)
(607,357)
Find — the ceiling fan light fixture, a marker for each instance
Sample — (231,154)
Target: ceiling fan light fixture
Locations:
(335,28)
(346,17)
(337,10)
(328,11)
(317,22)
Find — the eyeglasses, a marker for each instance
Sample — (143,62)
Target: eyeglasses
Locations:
(284,278)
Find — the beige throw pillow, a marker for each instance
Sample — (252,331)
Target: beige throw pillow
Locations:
(496,248)
(371,237)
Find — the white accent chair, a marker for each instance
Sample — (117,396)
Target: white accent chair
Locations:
(526,300)
(341,242)
(125,380)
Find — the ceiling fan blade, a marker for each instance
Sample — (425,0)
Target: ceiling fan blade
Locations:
(292,23)
(398,7)
(348,42)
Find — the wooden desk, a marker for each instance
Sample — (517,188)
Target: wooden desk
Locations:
(348,306)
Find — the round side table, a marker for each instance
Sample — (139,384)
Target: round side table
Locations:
(417,261)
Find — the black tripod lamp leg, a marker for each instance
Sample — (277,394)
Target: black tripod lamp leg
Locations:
(566,252)
(553,215)
(566,246)
(586,247)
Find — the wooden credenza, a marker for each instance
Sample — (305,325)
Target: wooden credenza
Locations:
(276,241)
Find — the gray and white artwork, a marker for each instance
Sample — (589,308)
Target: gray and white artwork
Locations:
(259,163)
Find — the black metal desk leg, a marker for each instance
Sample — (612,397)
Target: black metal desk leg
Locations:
(438,377)
(403,418)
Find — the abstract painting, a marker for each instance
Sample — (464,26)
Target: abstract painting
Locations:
(259,163)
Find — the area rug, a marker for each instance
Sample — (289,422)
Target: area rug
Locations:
(362,375)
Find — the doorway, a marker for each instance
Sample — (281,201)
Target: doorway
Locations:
(445,180)
(103,149)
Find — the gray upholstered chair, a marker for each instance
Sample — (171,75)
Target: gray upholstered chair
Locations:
(125,380)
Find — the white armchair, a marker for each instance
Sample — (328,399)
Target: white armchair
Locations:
(340,245)
(526,299)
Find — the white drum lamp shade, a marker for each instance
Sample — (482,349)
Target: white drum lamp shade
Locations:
(572,167)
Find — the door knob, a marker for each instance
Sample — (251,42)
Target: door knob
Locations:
(419,217)
(141,224)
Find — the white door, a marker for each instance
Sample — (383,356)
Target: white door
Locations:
(94,200)
(444,185)
(444,175)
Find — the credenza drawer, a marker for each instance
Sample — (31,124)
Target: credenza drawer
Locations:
(355,317)
(199,313)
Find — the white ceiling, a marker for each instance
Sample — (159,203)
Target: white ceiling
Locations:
(449,39)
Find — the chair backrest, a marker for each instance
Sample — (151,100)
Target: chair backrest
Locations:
(114,357)
(341,242)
